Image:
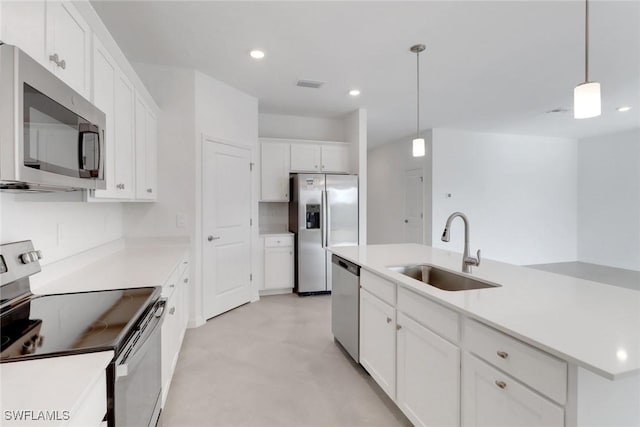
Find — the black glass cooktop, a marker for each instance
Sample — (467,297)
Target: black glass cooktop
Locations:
(50,325)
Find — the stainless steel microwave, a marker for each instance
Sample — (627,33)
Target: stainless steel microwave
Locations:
(51,138)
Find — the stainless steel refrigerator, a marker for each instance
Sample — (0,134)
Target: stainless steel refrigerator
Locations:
(323,212)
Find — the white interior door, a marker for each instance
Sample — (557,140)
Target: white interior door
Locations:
(413,195)
(226,204)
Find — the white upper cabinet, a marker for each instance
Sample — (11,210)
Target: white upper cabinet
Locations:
(68,45)
(335,158)
(305,158)
(53,33)
(114,95)
(274,172)
(146,152)
(23,25)
(104,94)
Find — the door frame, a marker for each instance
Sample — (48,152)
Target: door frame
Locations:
(197,301)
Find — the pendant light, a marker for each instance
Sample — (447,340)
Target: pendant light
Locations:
(586,96)
(418,143)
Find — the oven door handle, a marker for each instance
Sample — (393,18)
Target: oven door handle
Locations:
(136,350)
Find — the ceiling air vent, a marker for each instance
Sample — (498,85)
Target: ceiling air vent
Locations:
(309,83)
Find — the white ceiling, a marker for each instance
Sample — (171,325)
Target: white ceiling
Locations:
(489,65)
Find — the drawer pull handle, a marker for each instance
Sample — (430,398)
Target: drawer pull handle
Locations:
(501,384)
(173,285)
(388,319)
(502,354)
(186,280)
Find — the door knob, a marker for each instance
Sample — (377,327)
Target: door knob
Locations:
(212,238)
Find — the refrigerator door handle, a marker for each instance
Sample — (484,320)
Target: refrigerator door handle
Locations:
(323,219)
(327,223)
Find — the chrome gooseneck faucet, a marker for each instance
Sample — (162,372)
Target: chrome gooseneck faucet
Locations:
(467,261)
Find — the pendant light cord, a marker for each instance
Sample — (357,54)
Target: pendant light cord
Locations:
(586,41)
(418,94)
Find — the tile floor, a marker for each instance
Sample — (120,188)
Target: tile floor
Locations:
(273,363)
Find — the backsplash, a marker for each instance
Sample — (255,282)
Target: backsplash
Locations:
(274,216)
(60,224)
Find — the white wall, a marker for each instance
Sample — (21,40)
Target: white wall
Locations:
(609,200)
(60,224)
(191,105)
(173,90)
(299,127)
(355,127)
(225,114)
(386,190)
(519,193)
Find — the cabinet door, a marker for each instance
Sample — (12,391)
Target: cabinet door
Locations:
(69,37)
(335,159)
(169,343)
(278,268)
(113,94)
(378,341)
(428,376)
(492,398)
(274,171)
(104,94)
(305,158)
(23,25)
(146,152)
(124,132)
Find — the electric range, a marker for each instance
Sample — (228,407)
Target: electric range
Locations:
(126,321)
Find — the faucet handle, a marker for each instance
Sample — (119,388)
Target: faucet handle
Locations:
(469,260)
(479,258)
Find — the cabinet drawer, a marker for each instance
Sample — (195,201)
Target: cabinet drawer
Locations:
(184,264)
(534,367)
(382,288)
(170,285)
(439,319)
(493,398)
(278,241)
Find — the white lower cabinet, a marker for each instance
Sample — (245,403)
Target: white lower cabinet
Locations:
(428,377)
(378,341)
(176,290)
(278,262)
(493,398)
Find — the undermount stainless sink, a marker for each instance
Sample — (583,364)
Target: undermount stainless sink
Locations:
(441,279)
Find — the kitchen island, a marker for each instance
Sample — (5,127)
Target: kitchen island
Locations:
(574,355)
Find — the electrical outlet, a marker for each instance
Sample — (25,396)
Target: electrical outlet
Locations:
(181,219)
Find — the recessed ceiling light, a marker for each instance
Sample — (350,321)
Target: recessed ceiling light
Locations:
(354,92)
(257,54)
(623,109)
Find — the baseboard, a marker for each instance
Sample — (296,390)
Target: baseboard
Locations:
(267,292)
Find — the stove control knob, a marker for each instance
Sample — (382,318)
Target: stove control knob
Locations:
(28,347)
(26,258)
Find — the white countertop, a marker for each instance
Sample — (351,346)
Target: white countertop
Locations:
(136,265)
(54,384)
(593,325)
(277,231)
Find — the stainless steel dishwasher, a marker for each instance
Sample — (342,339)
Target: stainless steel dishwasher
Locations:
(345,305)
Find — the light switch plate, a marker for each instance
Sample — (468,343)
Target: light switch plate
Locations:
(181,220)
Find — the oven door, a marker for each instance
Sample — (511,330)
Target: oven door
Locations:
(138,384)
